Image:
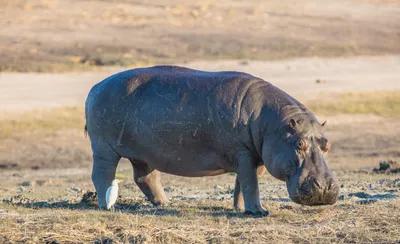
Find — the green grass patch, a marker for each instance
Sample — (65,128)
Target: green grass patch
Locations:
(386,104)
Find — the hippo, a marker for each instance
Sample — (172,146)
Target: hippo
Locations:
(195,123)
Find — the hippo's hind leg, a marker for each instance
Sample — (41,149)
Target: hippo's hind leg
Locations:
(105,162)
(149,183)
(248,182)
(238,201)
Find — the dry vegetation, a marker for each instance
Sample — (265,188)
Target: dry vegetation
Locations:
(60,35)
(206,222)
(41,121)
(200,212)
(385,104)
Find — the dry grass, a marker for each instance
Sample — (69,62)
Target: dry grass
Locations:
(68,226)
(50,138)
(386,104)
(199,220)
(42,121)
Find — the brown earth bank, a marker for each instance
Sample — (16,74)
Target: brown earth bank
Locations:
(61,35)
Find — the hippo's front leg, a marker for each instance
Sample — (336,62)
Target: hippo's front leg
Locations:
(103,173)
(248,182)
(238,201)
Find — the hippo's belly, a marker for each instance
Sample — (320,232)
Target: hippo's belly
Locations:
(176,160)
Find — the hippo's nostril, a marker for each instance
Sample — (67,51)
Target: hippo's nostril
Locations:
(317,183)
(331,186)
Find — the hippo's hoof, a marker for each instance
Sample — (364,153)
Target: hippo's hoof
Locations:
(160,203)
(239,208)
(102,208)
(257,212)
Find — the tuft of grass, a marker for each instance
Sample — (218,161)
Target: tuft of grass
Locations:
(43,120)
(386,104)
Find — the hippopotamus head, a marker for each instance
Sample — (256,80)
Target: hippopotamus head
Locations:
(296,155)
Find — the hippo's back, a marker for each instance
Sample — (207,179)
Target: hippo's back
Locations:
(135,82)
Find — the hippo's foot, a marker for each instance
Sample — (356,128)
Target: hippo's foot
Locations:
(160,202)
(102,208)
(239,208)
(257,211)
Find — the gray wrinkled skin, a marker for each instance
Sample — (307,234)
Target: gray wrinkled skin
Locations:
(193,123)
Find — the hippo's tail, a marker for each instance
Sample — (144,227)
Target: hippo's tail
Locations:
(85,130)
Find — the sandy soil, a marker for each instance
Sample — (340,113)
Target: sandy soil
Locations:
(24,91)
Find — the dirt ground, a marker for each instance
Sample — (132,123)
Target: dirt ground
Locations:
(324,49)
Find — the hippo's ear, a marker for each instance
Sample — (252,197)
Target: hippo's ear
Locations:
(292,124)
(325,144)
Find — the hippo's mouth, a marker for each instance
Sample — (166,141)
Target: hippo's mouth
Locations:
(315,198)
(311,201)
(312,192)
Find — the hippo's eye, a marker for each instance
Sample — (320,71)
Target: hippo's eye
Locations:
(301,145)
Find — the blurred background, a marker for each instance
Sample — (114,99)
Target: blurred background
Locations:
(65,35)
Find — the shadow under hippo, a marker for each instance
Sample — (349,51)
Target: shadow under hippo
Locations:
(194,123)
